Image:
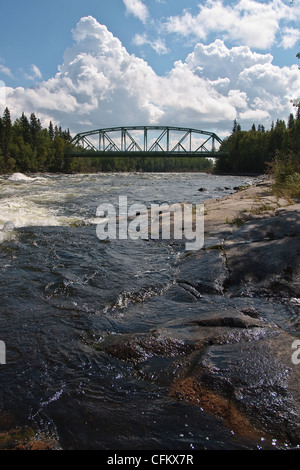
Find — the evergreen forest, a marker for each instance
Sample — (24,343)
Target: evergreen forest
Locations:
(25,146)
(255,151)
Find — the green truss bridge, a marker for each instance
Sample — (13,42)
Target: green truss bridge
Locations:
(147,141)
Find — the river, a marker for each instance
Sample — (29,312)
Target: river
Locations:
(63,290)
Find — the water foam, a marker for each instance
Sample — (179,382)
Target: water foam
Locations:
(20,178)
(19,212)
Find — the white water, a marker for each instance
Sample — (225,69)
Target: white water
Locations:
(42,200)
(26,202)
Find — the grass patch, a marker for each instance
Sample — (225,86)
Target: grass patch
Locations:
(238,221)
(286,172)
(261,209)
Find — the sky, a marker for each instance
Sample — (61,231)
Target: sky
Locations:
(200,64)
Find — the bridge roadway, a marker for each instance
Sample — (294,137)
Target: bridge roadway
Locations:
(142,141)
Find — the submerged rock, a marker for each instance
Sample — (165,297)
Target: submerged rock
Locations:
(231,363)
(253,382)
(139,347)
(25,439)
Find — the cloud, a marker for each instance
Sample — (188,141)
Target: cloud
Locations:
(290,36)
(252,83)
(5,70)
(247,22)
(137,8)
(158,45)
(99,84)
(35,73)
(2,95)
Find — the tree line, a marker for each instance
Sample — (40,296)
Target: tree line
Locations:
(254,151)
(135,162)
(26,146)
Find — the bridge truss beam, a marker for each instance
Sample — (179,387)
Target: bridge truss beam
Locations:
(170,140)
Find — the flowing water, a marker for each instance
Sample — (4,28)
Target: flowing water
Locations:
(63,290)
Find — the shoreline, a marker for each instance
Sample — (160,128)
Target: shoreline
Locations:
(249,203)
(231,358)
(224,354)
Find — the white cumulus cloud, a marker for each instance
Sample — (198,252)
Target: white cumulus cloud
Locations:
(247,22)
(99,84)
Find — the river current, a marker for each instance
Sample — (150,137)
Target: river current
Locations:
(63,290)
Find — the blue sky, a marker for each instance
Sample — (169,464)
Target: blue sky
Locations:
(90,64)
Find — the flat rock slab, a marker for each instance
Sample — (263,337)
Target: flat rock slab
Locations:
(252,383)
(231,363)
(206,271)
(263,256)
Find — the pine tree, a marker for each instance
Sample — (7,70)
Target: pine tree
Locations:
(35,127)
(51,131)
(291,121)
(25,129)
(6,133)
(234,129)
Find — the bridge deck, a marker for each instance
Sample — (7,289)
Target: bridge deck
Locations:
(143,154)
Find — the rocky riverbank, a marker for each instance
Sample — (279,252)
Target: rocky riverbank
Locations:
(233,358)
(229,341)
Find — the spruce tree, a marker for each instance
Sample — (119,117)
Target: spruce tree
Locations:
(291,121)
(35,127)
(6,133)
(25,129)
(51,131)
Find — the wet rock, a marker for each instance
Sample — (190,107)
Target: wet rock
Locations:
(140,347)
(230,362)
(226,318)
(265,267)
(261,257)
(206,272)
(26,439)
(36,444)
(251,311)
(192,392)
(240,367)
(254,381)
